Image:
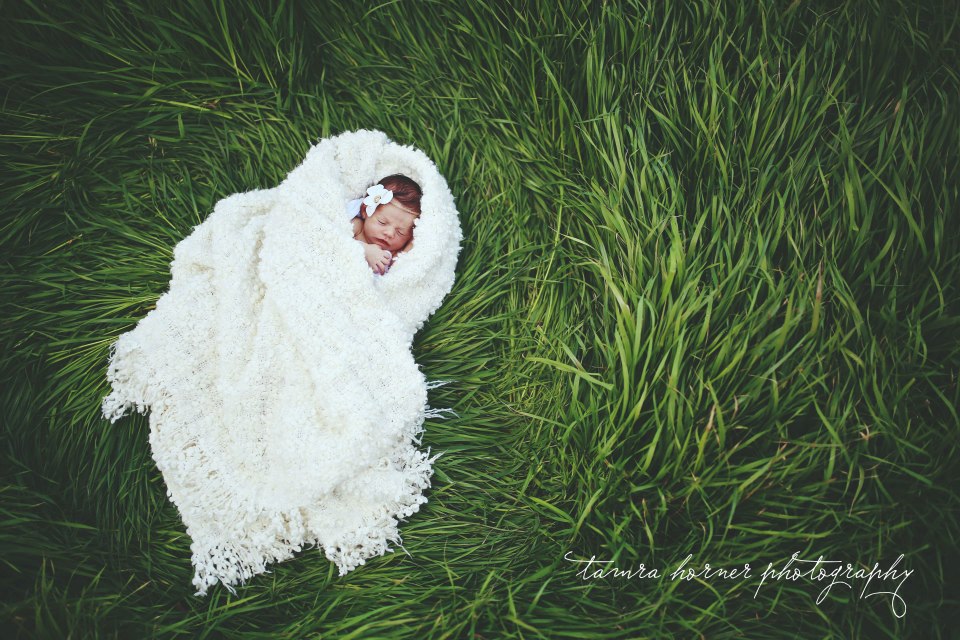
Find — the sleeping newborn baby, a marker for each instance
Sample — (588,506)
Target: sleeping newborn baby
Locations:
(383,220)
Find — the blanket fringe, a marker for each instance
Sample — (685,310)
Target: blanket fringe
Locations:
(438,413)
(283,533)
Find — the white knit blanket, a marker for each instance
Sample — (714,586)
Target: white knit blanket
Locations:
(285,403)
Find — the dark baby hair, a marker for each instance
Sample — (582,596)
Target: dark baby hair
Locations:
(405,191)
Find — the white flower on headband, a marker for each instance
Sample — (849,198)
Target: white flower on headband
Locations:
(377,194)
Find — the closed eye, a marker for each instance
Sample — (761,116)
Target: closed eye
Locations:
(399,232)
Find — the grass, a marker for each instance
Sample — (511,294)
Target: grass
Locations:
(707,304)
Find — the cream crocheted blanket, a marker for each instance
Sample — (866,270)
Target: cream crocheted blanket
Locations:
(285,403)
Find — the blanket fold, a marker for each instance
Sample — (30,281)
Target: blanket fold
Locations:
(285,403)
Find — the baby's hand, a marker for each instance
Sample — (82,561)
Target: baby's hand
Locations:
(378,259)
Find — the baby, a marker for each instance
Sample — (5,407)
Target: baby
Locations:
(386,231)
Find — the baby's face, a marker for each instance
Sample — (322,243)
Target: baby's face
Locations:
(390,227)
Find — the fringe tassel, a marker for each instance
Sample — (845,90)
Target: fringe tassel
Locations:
(438,413)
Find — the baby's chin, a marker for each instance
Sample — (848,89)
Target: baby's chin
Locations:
(383,245)
(394,247)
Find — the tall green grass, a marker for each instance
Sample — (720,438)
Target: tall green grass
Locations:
(707,304)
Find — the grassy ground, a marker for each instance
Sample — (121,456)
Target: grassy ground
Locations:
(707,304)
